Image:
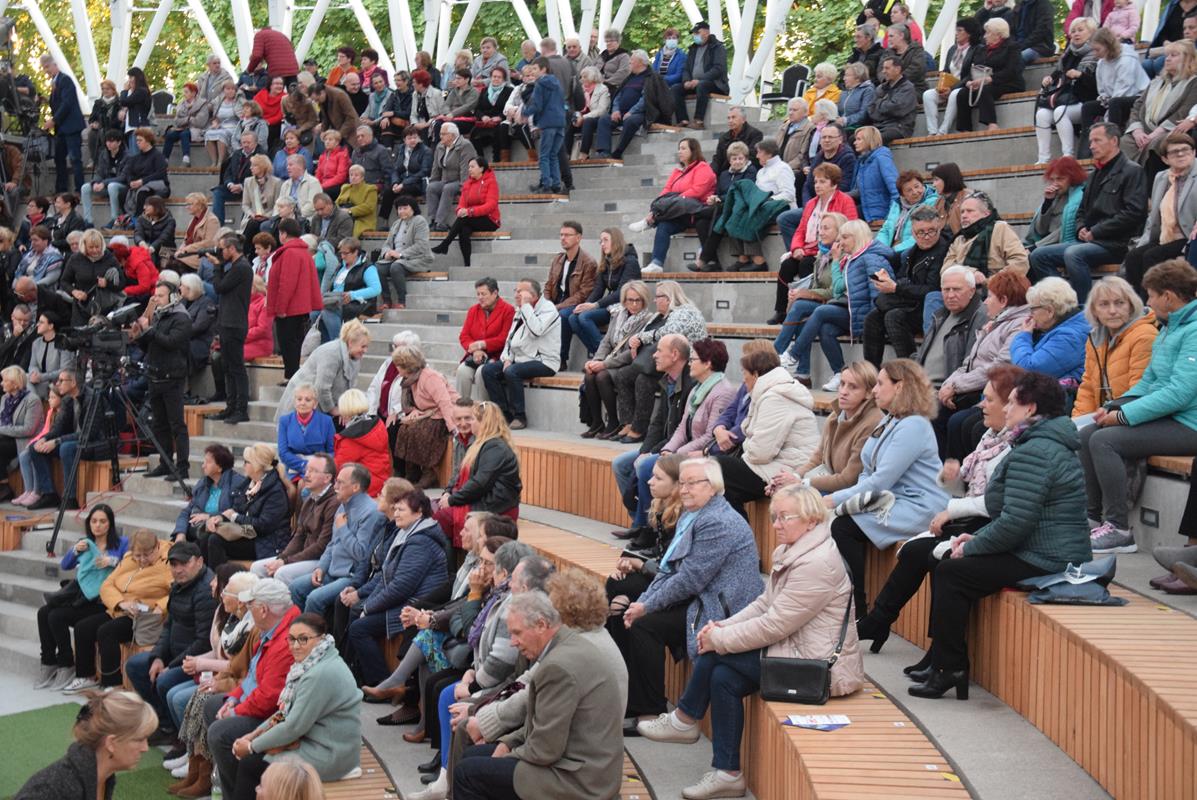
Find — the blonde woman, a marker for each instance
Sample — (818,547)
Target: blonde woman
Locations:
(489,479)
(612,357)
(290,779)
(21,418)
(111,733)
(260,193)
(1162,108)
(258,525)
(1121,335)
(617,264)
(897,493)
(363,439)
(331,368)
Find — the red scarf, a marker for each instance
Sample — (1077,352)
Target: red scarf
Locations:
(304,419)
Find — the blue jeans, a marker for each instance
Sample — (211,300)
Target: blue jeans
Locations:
(114,191)
(505,387)
(630,125)
(177,699)
(549,152)
(364,634)
(721,682)
(183,137)
(644,471)
(1029,55)
(1077,260)
(317,599)
(39,465)
(665,230)
(567,334)
(624,467)
(220,196)
(825,323)
(477,776)
(1153,66)
(800,311)
(932,302)
(787,223)
(586,327)
(138,670)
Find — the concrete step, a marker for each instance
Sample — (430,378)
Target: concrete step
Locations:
(979,150)
(1012,111)
(19,656)
(16,621)
(23,591)
(31,564)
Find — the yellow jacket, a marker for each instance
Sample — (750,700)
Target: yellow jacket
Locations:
(813,95)
(361,201)
(1123,360)
(131,581)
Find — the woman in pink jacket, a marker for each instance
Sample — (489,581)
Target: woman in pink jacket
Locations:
(803,612)
(711,395)
(693,179)
(425,418)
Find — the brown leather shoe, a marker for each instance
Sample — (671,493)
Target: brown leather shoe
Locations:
(1177,586)
(394,693)
(1187,575)
(414,737)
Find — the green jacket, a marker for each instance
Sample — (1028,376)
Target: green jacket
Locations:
(1036,500)
(747,210)
(325,718)
(1168,387)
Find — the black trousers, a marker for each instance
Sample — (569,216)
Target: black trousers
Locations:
(600,394)
(166,404)
(852,544)
(478,776)
(740,484)
(704,221)
(642,389)
(110,634)
(897,326)
(643,646)
(1140,259)
(54,630)
(221,551)
(290,332)
(433,687)
(790,269)
(960,582)
(1188,520)
(234,375)
(940,421)
(986,108)
(461,230)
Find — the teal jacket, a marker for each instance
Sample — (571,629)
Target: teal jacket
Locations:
(1168,387)
(1072,205)
(324,719)
(1036,500)
(902,240)
(747,210)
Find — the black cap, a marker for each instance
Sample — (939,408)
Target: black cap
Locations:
(701,25)
(183,551)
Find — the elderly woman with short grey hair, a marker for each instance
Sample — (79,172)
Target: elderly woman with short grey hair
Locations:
(1053,339)
(614,62)
(709,572)
(854,101)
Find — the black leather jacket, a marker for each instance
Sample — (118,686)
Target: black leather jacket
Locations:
(494,484)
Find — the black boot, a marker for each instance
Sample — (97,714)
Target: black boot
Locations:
(872,628)
(921,671)
(432,766)
(940,681)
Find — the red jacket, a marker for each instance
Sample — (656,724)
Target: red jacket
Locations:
(140,273)
(697,181)
(259,342)
(271,673)
(481,197)
(272,106)
(492,328)
(293,288)
(840,203)
(275,49)
(332,170)
(372,451)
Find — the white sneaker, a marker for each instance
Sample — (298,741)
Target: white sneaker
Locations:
(437,790)
(80,685)
(45,676)
(187,161)
(652,268)
(61,678)
(666,728)
(639,226)
(717,784)
(181,772)
(174,763)
(788,362)
(832,385)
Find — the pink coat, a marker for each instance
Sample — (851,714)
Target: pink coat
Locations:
(702,427)
(696,181)
(433,392)
(801,611)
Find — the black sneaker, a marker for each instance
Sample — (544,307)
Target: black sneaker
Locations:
(160,471)
(50,500)
(174,752)
(183,474)
(163,737)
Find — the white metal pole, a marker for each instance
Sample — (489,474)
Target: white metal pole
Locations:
(243,29)
(118,49)
(715,17)
(693,14)
(375,41)
(733,18)
(586,23)
(274,14)
(775,18)
(944,25)
(604,22)
(432,18)
(201,17)
(566,15)
(621,16)
(525,16)
(552,19)
(740,57)
(402,38)
(310,29)
(444,23)
(43,30)
(467,22)
(87,47)
(153,33)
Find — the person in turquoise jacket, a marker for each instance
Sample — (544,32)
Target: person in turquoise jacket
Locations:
(1054,340)
(897,233)
(93,558)
(1156,416)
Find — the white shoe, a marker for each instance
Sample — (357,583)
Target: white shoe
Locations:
(653,268)
(187,161)
(665,729)
(832,385)
(716,784)
(639,226)
(181,772)
(45,676)
(80,685)
(173,764)
(61,678)
(788,362)
(437,790)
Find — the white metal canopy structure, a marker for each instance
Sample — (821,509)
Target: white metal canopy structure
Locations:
(440,39)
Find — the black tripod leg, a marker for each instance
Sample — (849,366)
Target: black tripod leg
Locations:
(69,477)
(142,429)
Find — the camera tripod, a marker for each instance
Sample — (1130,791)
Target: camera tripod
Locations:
(99,425)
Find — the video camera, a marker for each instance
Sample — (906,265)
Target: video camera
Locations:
(103,342)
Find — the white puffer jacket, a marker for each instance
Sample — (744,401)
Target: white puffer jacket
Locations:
(780,431)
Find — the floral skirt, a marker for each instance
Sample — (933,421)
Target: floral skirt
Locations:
(422,443)
(429,642)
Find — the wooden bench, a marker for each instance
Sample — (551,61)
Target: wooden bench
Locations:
(14,526)
(947,138)
(194,417)
(882,753)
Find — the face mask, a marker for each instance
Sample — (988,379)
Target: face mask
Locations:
(697,39)
(671,44)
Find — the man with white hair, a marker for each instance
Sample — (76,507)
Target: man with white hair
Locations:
(255,699)
(641,100)
(738,130)
(450,169)
(953,327)
(67,124)
(300,187)
(371,156)
(570,744)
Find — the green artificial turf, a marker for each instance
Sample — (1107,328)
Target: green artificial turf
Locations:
(33,739)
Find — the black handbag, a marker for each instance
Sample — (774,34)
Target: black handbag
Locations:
(70,595)
(801,680)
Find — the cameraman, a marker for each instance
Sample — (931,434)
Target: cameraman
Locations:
(165,335)
(233,281)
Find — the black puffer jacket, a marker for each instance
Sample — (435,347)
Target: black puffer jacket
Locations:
(608,282)
(71,222)
(268,510)
(166,343)
(918,274)
(189,611)
(494,483)
(1034,26)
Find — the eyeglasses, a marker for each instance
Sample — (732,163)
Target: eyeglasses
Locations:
(692,484)
(927,232)
(300,640)
(783,518)
(639,300)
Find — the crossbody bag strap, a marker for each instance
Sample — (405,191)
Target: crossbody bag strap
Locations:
(839,646)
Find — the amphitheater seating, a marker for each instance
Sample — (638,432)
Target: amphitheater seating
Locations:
(881,754)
